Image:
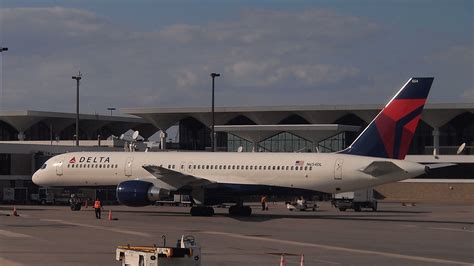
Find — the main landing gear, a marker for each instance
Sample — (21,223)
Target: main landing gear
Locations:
(202,211)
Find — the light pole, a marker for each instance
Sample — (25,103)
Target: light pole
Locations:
(2,49)
(111,109)
(77,78)
(213,133)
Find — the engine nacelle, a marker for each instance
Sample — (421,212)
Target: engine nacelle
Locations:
(136,193)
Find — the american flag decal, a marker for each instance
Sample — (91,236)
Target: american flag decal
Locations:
(73,160)
(299,163)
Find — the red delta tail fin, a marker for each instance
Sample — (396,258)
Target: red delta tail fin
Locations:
(390,134)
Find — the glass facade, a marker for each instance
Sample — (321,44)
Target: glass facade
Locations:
(234,142)
(285,142)
(7,132)
(334,143)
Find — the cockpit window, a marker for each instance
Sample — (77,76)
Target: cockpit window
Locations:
(43,166)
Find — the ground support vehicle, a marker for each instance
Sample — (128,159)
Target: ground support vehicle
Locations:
(356,200)
(301,205)
(177,200)
(186,252)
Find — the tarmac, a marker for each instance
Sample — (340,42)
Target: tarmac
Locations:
(424,234)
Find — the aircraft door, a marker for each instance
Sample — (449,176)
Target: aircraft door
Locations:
(128,166)
(338,169)
(59,168)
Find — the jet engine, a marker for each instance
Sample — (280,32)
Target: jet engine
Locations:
(136,193)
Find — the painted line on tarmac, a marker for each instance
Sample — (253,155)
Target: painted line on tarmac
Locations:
(6,262)
(451,229)
(12,234)
(441,228)
(116,230)
(335,248)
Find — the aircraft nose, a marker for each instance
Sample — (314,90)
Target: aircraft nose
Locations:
(36,178)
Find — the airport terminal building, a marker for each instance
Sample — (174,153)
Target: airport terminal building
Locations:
(28,138)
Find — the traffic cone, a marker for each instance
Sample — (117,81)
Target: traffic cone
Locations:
(282,260)
(15,213)
(302,260)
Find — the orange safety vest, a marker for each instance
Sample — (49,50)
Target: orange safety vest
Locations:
(97,204)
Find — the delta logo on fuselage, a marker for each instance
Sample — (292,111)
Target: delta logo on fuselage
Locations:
(91,160)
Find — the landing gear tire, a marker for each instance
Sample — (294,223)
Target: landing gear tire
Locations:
(202,211)
(357,208)
(76,207)
(242,211)
(374,207)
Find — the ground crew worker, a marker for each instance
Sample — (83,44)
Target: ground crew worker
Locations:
(97,208)
(263,200)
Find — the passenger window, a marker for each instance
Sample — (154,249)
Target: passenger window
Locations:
(233,167)
(169,166)
(296,167)
(306,168)
(238,167)
(264,167)
(247,167)
(207,166)
(100,165)
(287,167)
(274,167)
(310,168)
(292,168)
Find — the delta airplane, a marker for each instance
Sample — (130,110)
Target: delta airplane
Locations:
(375,157)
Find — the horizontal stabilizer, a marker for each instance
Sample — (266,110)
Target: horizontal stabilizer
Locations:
(380,168)
(173,178)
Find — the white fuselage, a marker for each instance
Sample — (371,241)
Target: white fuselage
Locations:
(328,173)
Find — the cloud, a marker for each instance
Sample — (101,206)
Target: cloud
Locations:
(264,57)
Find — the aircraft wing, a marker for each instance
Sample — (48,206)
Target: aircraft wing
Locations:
(380,168)
(173,179)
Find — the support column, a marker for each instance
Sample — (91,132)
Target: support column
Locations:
(436,141)
(163,136)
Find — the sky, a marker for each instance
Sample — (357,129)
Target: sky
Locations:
(269,53)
